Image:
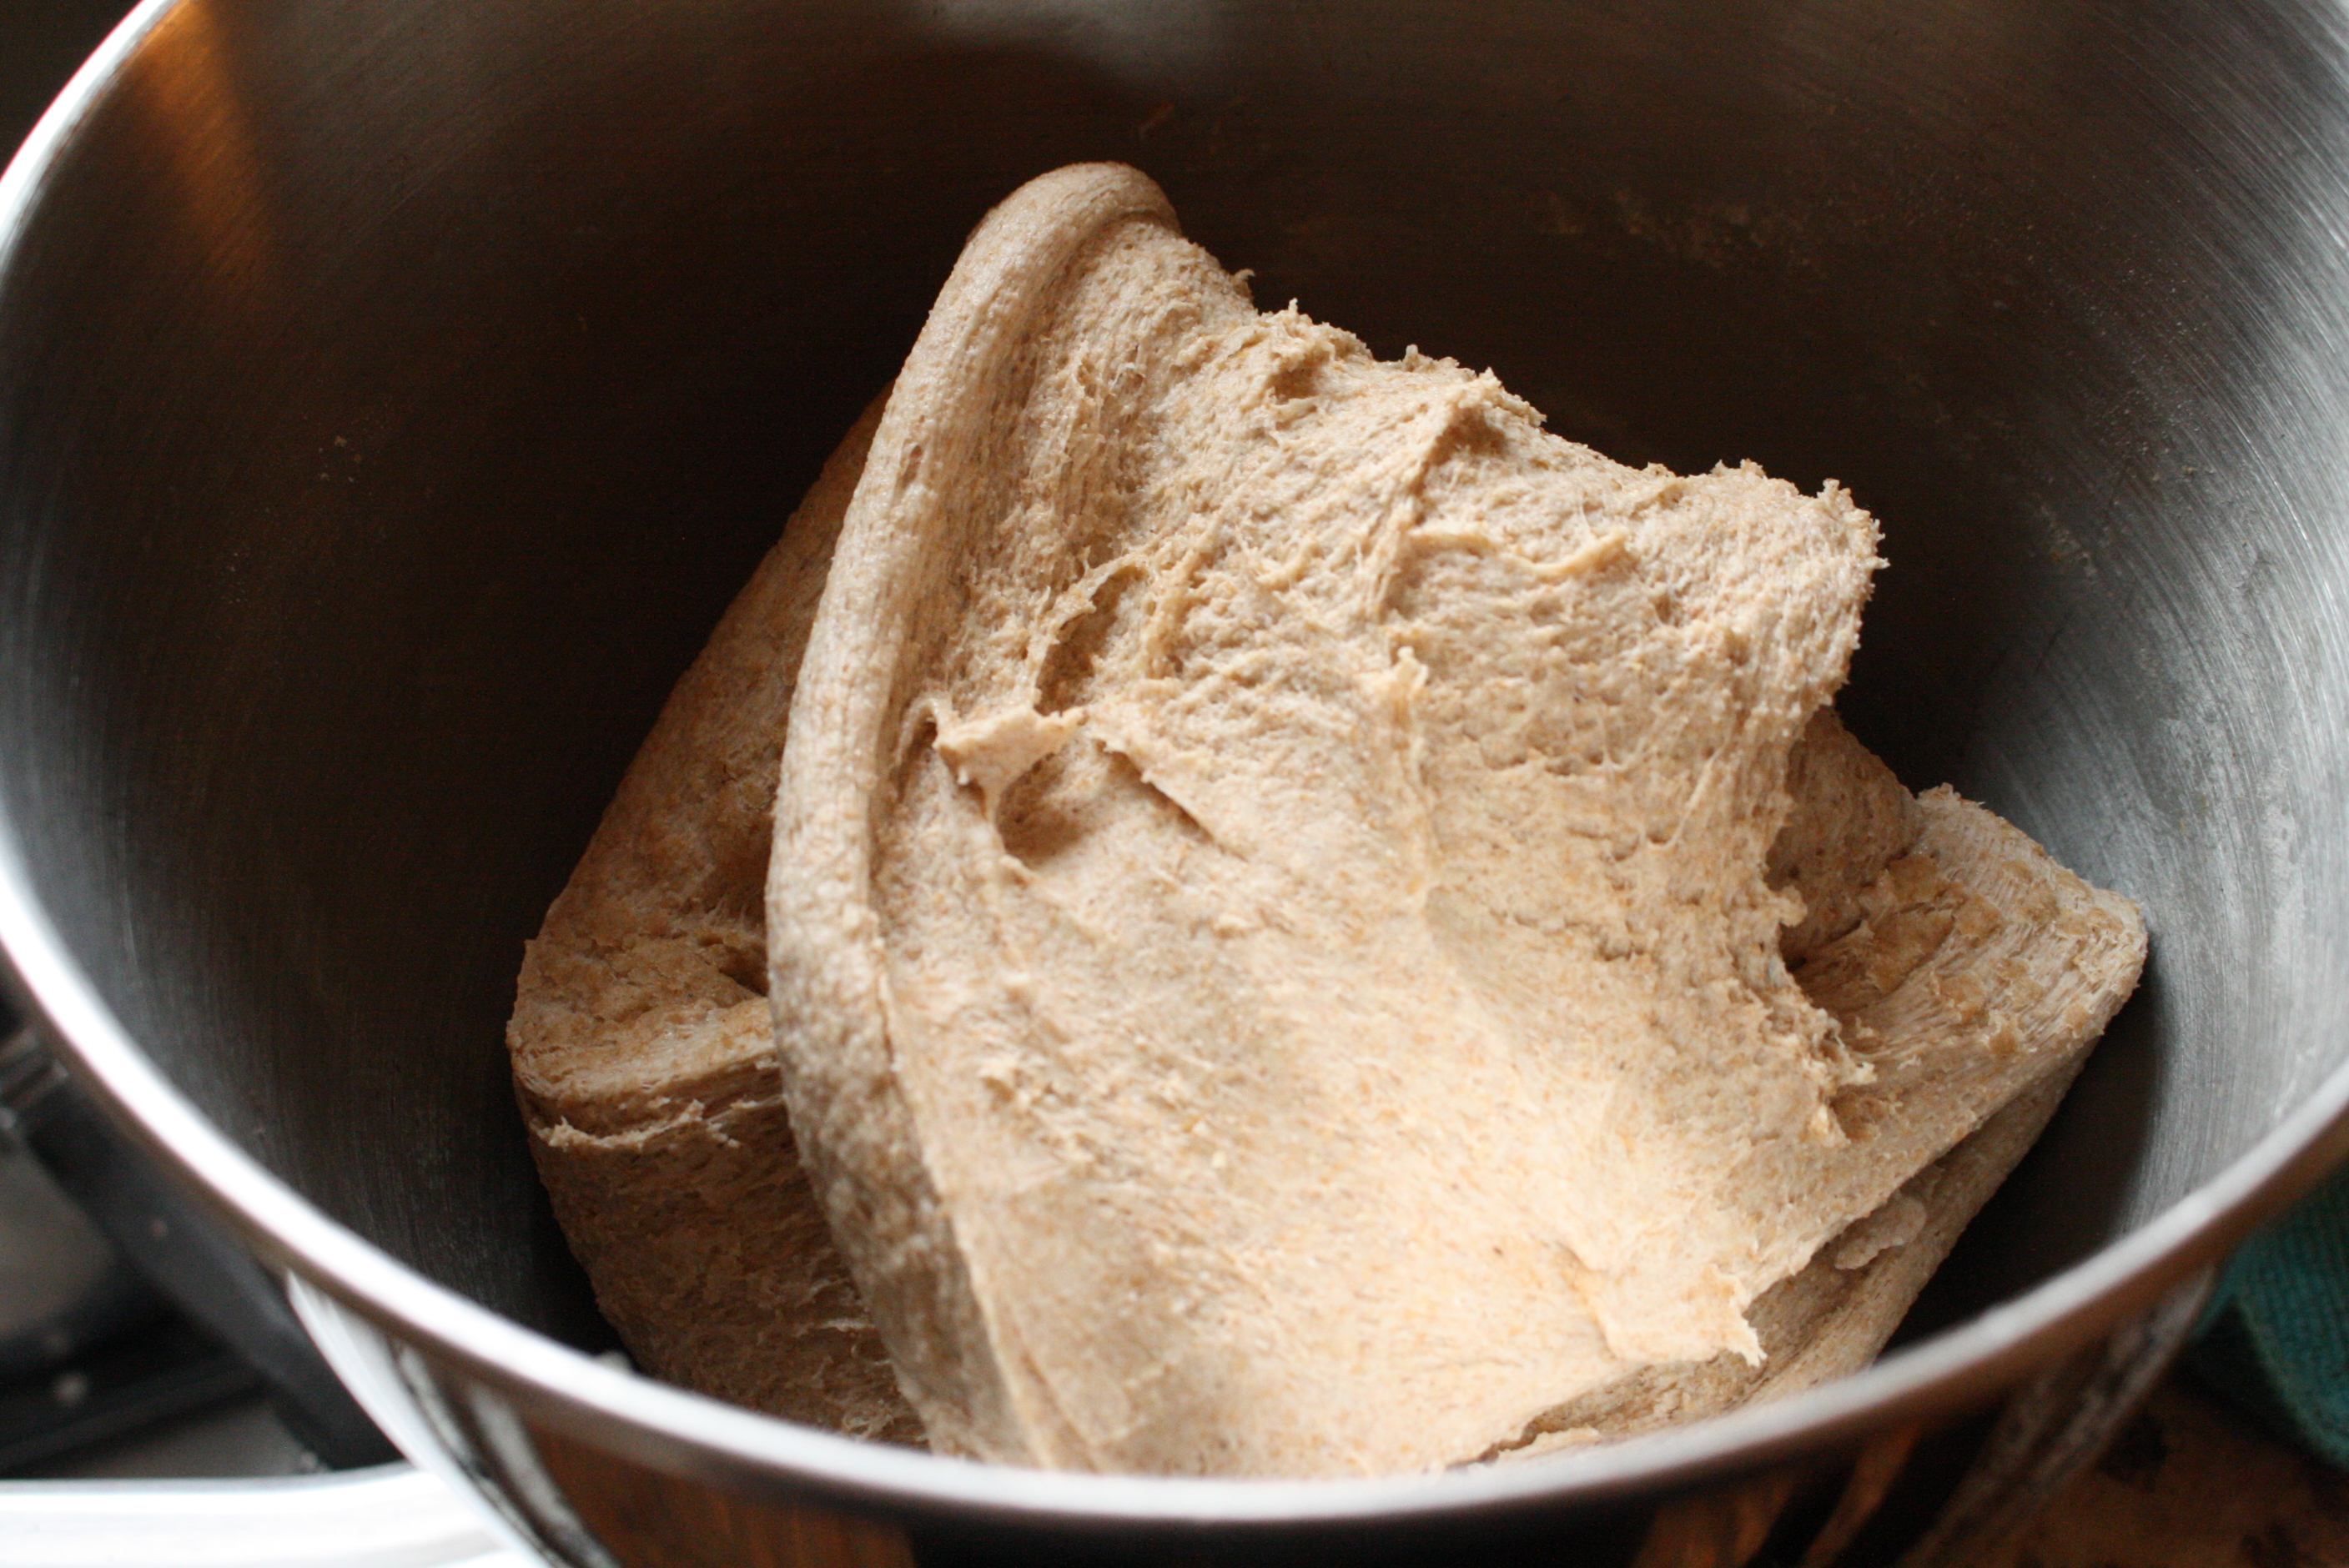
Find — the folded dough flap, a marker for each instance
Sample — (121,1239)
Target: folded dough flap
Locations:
(643,1051)
(1274,912)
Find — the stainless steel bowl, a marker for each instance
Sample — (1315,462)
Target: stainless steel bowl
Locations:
(392,391)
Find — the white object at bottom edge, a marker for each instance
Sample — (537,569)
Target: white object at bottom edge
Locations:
(394,1516)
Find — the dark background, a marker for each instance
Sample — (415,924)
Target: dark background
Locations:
(41,42)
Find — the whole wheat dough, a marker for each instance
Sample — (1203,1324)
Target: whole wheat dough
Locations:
(644,1069)
(1275,928)
(643,1055)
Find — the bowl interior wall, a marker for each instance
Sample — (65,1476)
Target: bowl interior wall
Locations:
(393,391)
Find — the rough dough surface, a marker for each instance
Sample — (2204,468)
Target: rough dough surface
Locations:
(1274,922)
(643,1055)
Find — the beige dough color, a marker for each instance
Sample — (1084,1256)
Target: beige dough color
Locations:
(1278,955)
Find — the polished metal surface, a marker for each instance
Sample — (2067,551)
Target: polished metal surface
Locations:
(392,391)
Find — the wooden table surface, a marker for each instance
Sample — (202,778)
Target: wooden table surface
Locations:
(2191,1483)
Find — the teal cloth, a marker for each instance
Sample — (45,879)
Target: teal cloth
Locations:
(2276,1338)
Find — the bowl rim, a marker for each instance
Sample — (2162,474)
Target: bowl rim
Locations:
(692,1436)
